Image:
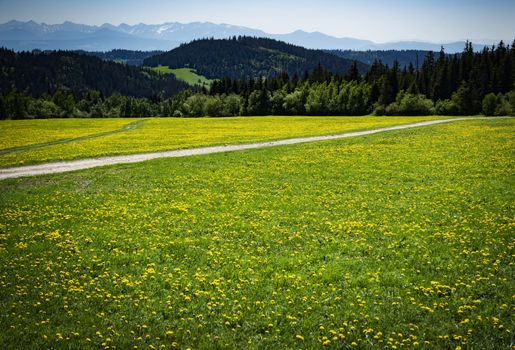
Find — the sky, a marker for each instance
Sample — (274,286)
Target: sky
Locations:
(376,20)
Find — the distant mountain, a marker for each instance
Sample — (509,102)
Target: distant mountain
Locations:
(248,57)
(317,40)
(71,36)
(184,33)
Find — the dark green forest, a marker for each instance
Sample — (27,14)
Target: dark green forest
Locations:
(37,73)
(130,57)
(467,83)
(247,57)
(404,57)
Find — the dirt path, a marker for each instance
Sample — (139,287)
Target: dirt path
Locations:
(58,167)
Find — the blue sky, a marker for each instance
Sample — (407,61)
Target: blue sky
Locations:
(380,21)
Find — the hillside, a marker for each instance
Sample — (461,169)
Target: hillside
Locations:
(187,75)
(38,73)
(130,57)
(404,57)
(247,57)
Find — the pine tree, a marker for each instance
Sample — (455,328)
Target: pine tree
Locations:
(390,86)
(353,73)
(426,74)
(440,88)
(3,108)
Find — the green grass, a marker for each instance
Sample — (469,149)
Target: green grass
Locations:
(22,133)
(187,75)
(62,141)
(158,134)
(402,239)
(281,54)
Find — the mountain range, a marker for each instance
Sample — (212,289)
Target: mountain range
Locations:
(30,35)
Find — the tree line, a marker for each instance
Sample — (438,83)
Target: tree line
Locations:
(462,84)
(38,73)
(404,57)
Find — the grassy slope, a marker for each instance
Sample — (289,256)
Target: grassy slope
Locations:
(170,133)
(187,75)
(396,239)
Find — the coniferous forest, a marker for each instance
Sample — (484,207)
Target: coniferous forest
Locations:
(65,84)
(246,57)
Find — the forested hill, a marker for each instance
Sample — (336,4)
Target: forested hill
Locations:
(38,73)
(403,57)
(130,57)
(248,57)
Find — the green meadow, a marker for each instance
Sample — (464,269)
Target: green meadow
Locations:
(403,239)
(187,75)
(35,141)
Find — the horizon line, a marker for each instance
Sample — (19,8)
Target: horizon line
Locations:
(484,41)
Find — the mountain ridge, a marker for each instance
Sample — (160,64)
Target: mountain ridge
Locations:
(31,35)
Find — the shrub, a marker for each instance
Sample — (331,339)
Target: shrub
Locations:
(195,106)
(497,104)
(294,102)
(379,110)
(503,107)
(410,104)
(232,104)
(215,106)
(447,107)
(510,98)
(490,103)
(44,109)
(467,100)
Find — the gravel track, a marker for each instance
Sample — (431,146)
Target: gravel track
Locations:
(59,167)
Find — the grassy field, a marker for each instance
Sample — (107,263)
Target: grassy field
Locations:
(157,134)
(17,133)
(187,75)
(396,240)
